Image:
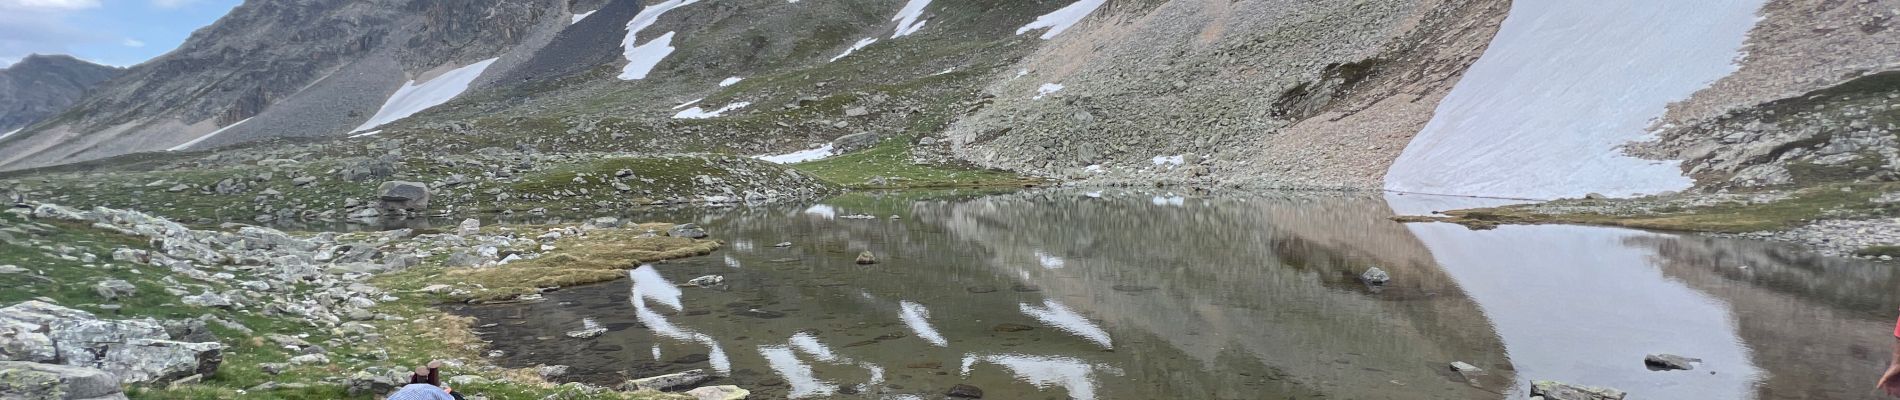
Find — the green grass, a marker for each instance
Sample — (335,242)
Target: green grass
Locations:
(890,160)
(1829,201)
(1876,251)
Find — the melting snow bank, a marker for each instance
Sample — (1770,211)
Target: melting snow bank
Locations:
(641,58)
(415,97)
(906,18)
(700,113)
(1564,85)
(1522,275)
(1046,89)
(799,156)
(854,48)
(193,142)
(1428,204)
(1060,20)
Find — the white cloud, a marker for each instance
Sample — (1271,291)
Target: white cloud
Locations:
(48,4)
(129,42)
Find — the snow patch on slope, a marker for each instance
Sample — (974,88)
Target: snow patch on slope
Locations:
(193,142)
(854,47)
(10,133)
(1564,85)
(1046,89)
(415,97)
(799,156)
(906,18)
(641,58)
(701,113)
(581,16)
(731,81)
(1060,20)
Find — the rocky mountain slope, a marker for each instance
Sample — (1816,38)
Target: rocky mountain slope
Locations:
(1251,93)
(41,85)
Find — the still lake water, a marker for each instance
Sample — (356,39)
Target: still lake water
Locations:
(1128,295)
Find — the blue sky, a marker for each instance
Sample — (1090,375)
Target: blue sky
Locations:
(114,32)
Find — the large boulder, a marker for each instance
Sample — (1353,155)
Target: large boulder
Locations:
(401,195)
(29,380)
(134,351)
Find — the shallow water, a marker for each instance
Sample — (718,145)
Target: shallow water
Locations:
(1064,294)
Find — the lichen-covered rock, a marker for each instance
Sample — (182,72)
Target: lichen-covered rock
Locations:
(723,392)
(134,351)
(29,380)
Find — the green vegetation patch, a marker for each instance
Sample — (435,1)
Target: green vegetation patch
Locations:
(1876,251)
(600,256)
(1846,201)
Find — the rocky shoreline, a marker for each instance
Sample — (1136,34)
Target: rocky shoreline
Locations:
(321,304)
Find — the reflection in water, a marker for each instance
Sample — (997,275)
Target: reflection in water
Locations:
(918,319)
(1072,375)
(1552,290)
(804,384)
(1060,317)
(1049,261)
(649,285)
(1114,295)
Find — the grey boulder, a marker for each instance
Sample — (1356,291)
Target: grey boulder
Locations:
(30,380)
(401,195)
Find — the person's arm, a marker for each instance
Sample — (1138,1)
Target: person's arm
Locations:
(1890,381)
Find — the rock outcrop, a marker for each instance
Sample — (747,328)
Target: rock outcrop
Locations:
(28,380)
(134,351)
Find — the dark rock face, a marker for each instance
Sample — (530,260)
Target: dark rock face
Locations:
(39,87)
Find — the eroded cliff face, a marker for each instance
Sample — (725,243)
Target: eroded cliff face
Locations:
(40,86)
(1279,92)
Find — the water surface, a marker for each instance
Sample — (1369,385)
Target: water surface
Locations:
(1125,295)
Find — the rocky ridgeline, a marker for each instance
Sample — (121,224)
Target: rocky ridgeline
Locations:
(318,281)
(1844,133)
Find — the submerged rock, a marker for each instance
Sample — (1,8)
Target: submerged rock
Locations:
(670,381)
(1554,390)
(963,391)
(1668,362)
(707,281)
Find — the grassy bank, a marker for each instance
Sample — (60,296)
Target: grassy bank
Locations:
(1834,201)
